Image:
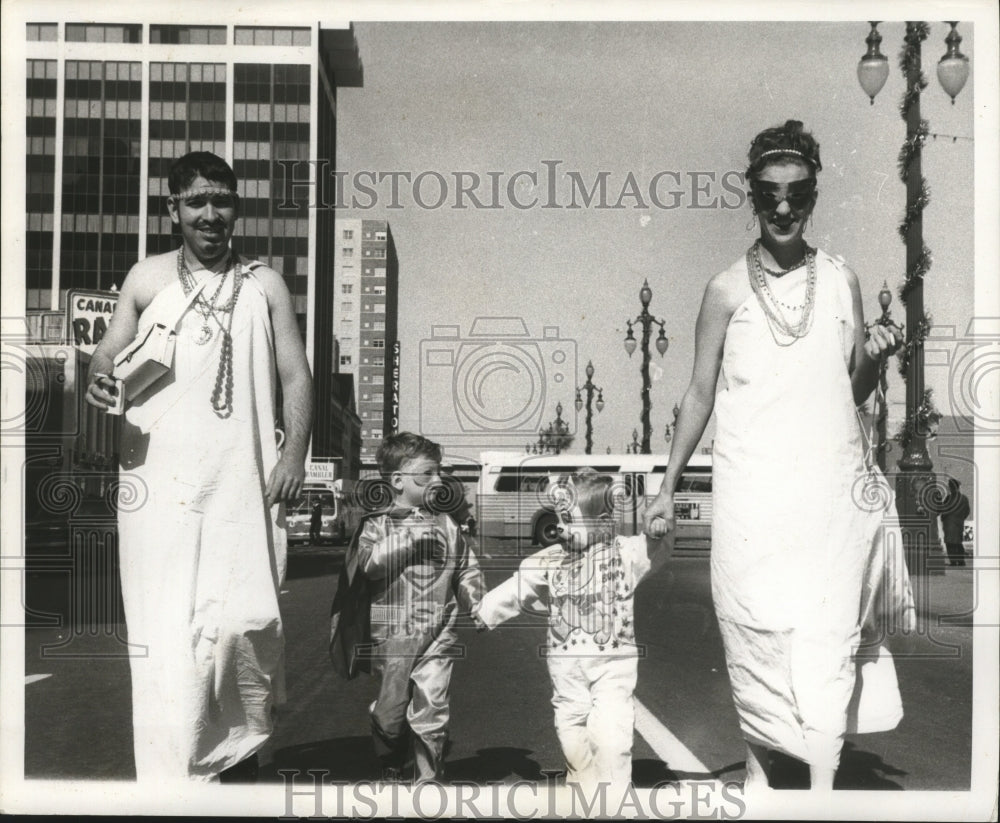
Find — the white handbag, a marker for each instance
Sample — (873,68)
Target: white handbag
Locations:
(150,356)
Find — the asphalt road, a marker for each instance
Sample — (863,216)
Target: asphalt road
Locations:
(77,692)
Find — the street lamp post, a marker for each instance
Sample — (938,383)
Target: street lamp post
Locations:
(671,429)
(589,388)
(646,320)
(552,437)
(919,524)
(882,404)
(633,447)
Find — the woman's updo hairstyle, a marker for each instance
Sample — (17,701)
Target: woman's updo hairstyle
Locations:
(788,140)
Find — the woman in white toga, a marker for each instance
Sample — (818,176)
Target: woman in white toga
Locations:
(792,549)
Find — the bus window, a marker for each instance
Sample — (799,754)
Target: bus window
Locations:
(695,483)
(635,486)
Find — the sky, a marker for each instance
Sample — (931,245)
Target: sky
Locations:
(638,99)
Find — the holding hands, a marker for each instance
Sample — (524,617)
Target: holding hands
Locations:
(658,521)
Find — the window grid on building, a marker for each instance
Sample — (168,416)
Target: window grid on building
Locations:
(40,178)
(42,32)
(271,122)
(103,33)
(272,36)
(100,187)
(188,35)
(187,112)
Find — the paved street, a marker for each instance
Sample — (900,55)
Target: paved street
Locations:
(77,700)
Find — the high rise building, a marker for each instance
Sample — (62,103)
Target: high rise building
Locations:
(111,105)
(366,274)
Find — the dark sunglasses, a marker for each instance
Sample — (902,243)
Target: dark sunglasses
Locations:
(768,196)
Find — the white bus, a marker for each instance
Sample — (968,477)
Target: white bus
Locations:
(298,516)
(515,499)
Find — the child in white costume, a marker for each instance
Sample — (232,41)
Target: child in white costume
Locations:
(587,582)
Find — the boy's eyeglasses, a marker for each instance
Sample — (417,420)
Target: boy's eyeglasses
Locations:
(422,478)
(768,196)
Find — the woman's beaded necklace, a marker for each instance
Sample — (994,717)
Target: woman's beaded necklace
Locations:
(772,307)
(222,395)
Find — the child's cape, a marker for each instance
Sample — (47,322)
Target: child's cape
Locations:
(350,613)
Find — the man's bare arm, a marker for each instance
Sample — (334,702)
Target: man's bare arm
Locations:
(121,331)
(286,480)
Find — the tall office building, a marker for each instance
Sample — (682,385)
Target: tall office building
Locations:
(366,274)
(111,105)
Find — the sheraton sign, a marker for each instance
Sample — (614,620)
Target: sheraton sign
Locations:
(394,403)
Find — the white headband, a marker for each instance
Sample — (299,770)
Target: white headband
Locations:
(796,152)
(202,191)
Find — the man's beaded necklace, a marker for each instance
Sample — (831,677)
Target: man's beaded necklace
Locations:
(772,307)
(222,395)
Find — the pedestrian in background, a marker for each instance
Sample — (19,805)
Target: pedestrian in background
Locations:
(200,514)
(792,545)
(954,511)
(316,522)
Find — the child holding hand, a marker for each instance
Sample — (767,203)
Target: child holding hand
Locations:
(587,582)
(419,574)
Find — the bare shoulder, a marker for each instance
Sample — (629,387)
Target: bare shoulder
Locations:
(149,277)
(850,277)
(270,280)
(728,289)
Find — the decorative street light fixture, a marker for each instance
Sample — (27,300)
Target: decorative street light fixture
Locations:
(919,524)
(881,410)
(553,438)
(590,388)
(671,429)
(953,68)
(633,447)
(646,320)
(873,68)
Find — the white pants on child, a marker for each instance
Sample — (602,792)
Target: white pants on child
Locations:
(594,706)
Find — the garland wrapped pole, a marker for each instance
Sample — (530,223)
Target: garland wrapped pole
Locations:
(915,482)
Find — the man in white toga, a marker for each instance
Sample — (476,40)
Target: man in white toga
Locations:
(201,514)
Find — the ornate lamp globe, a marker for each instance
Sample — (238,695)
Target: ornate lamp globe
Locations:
(885,296)
(600,401)
(630,341)
(873,68)
(953,68)
(662,343)
(645,293)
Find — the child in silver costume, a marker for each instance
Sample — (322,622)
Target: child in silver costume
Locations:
(421,575)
